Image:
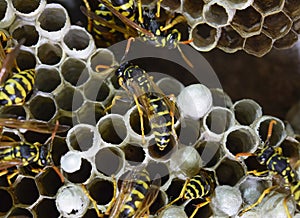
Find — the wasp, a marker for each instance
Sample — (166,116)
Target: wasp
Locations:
(143,23)
(135,197)
(277,164)
(20,153)
(200,186)
(14,88)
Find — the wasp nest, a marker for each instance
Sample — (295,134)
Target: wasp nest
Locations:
(102,146)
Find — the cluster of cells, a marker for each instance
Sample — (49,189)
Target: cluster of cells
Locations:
(103,145)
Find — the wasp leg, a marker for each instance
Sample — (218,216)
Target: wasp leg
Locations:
(86,192)
(286,207)
(6,138)
(261,197)
(256,173)
(113,102)
(111,204)
(87,5)
(181,195)
(37,171)
(139,4)
(178,19)
(9,176)
(55,168)
(141,117)
(172,114)
(158,8)
(198,206)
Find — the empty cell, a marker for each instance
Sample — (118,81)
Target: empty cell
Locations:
(59,148)
(97,90)
(292,8)
(26,60)
(42,107)
(26,191)
(109,161)
(26,6)
(47,78)
(268,6)
(48,182)
(28,32)
(69,99)
(74,71)
(230,41)
(229,172)
(247,22)
(53,18)
(102,191)
(81,175)
(246,111)
(210,152)
(158,170)
(6,201)
(134,153)
(90,113)
(277,25)
(50,53)
(258,45)
(287,41)
(46,208)
(7,14)
(193,7)
(20,212)
(205,37)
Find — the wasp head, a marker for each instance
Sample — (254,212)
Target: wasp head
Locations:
(265,154)
(45,156)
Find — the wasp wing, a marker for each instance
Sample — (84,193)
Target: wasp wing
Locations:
(36,126)
(150,197)
(106,23)
(125,20)
(11,163)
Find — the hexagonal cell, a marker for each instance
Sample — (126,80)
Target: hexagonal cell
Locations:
(193,7)
(46,208)
(26,60)
(49,182)
(268,6)
(32,137)
(230,41)
(217,14)
(103,57)
(102,191)
(20,212)
(90,113)
(229,172)
(44,74)
(134,154)
(210,152)
(247,22)
(74,71)
(205,37)
(109,161)
(277,25)
(26,6)
(7,201)
(97,89)
(69,99)
(49,53)
(26,191)
(81,175)
(246,111)
(292,8)
(258,45)
(189,132)
(239,4)
(287,41)
(38,105)
(28,32)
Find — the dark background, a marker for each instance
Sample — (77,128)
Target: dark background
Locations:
(273,80)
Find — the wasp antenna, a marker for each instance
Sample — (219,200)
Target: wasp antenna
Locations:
(102,66)
(131,39)
(54,131)
(186,42)
(185,58)
(270,129)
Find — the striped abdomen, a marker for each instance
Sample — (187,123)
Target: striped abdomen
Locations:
(160,120)
(135,198)
(200,186)
(15,90)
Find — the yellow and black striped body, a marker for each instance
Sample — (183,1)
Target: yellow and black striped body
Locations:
(137,82)
(134,200)
(165,39)
(200,186)
(15,90)
(26,153)
(276,163)
(126,8)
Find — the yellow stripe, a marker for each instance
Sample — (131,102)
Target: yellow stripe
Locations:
(154,125)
